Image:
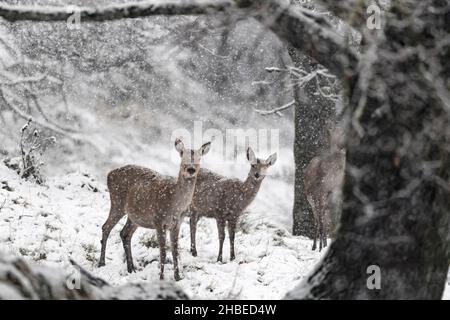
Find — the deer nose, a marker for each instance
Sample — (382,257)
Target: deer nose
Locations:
(257,175)
(191,170)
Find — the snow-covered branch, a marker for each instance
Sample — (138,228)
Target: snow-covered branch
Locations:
(113,12)
(277,110)
(306,31)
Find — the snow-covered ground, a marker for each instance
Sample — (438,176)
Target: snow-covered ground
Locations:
(62,219)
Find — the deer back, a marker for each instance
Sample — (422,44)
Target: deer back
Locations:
(121,180)
(150,203)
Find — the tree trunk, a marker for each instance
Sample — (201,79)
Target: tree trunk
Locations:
(311,137)
(396,213)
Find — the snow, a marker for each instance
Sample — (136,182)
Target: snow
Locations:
(61,220)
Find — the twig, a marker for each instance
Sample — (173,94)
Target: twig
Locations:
(276,111)
(48,126)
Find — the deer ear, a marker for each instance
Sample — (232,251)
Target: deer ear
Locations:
(251,155)
(272,159)
(179,146)
(205,148)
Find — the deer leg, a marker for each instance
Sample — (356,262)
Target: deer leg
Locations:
(322,212)
(221,230)
(174,246)
(316,230)
(161,235)
(324,234)
(320,235)
(113,218)
(316,224)
(126,234)
(231,234)
(193,226)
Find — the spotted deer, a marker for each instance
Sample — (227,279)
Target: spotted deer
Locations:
(152,201)
(226,199)
(323,181)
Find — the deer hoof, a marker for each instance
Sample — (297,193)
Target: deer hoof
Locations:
(177,277)
(131,269)
(101,264)
(194,252)
(219,259)
(232,258)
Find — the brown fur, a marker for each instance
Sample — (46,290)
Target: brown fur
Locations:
(152,201)
(324,176)
(225,199)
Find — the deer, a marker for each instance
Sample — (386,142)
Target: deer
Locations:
(225,199)
(323,182)
(153,201)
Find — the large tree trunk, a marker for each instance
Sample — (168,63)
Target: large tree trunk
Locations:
(311,138)
(396,212)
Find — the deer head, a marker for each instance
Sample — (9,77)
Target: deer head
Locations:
(258,168)
(190,159)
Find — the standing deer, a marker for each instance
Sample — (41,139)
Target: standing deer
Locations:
(152,201)
(226,199)
(324,177)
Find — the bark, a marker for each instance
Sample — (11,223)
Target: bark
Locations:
(396,197)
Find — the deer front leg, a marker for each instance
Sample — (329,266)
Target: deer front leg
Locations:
(114,217)
(126,234)
(221,231)
(316,226)
(231,234)
(174,246)
(193,226)
(320,236)
(161,235)
(316,229)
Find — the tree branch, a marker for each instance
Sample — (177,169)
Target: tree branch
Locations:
(312,34)
(277,110)
(353,12)
(15,13)
(304,30)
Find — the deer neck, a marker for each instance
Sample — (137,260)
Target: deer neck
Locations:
(183,193)
(250,188)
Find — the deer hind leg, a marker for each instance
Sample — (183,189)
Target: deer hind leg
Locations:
(316,231)
(114,217)
(316,223)
(126,234)
(325,228)
(231,234)
(221,231)
(161,235)
(174,246)
(193,226)
(320,235)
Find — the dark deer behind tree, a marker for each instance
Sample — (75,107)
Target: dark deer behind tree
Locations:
(323,185)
